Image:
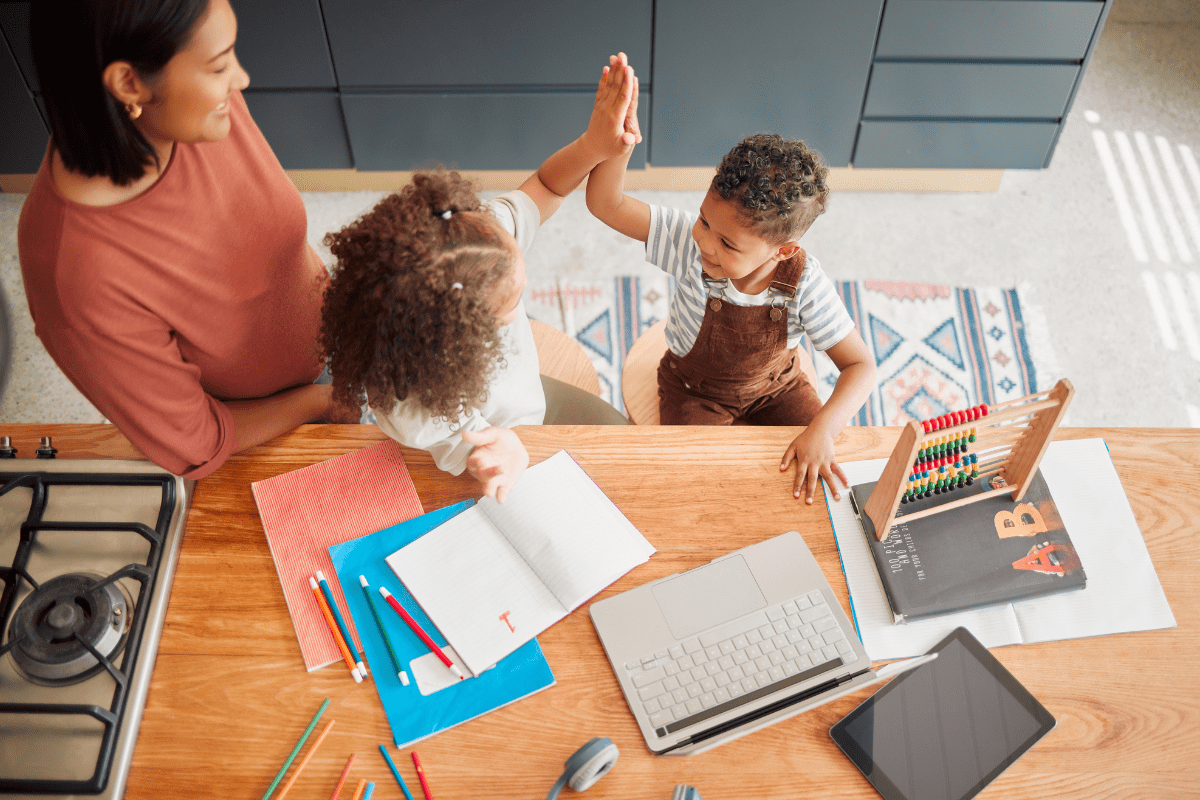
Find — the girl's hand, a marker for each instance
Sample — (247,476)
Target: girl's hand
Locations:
(813,451)
(497,461)
(613,129)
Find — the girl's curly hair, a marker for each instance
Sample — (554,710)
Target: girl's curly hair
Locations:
(780,185)
(409,314)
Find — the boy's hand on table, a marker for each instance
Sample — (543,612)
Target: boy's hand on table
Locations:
(814,455)
(497,461)
(613,129)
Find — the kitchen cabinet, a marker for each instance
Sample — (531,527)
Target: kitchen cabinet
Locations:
(723,71)
(402,84)
(25,133)
(974,84)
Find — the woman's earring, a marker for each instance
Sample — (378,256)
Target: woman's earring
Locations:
(134,110)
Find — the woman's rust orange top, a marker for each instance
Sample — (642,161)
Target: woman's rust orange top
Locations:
(201,289)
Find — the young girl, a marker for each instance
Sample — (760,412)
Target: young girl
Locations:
(424,314)
(746,294)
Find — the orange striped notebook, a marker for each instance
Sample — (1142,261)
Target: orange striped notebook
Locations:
(305,511)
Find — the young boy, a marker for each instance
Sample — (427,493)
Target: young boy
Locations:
(745,296)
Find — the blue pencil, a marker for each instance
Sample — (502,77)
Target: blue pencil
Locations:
(341,623)
(370,790)
(395,772)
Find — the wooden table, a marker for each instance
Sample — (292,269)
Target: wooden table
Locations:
(230,695)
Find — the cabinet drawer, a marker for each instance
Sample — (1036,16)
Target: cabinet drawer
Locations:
(954,145)
(969,90)
(475,131)
(1000,29)
(281,43)
(477,43)
(303,128)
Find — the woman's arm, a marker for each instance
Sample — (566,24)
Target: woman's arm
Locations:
(260,420)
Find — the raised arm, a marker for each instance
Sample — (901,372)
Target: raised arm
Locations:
(612,131)
(607,201)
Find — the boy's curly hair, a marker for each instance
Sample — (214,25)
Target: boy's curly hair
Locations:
(408,313)
(780,185)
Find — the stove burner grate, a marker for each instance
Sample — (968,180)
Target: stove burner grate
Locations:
(49,623)
(60,623)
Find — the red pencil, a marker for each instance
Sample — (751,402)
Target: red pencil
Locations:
(421,776)
(412,623)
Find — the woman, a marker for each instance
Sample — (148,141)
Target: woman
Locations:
(163,248)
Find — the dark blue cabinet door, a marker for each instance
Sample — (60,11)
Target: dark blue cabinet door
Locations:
(725,70)
(25,134)
(490,130)
(303,128)
(419,43)
(281,43)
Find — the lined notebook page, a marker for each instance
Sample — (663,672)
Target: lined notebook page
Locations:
(1123,592)
(567,530)
(497,575)
(478,591)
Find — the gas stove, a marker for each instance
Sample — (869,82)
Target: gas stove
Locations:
(88,550)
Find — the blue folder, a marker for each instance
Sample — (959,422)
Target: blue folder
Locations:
(414,717)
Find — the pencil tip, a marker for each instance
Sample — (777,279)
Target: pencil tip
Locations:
(363,580)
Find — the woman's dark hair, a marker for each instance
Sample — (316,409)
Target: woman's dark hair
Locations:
(409,313)
(779,185)
(73,41)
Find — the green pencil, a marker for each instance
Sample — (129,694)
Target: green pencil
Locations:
(283,770)
(387,640)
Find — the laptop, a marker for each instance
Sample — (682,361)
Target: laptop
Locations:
(751,638)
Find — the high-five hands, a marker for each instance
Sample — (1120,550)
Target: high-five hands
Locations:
(613,129)
(497,461)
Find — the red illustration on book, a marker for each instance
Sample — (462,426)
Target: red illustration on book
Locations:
(504,617)
(1050,558)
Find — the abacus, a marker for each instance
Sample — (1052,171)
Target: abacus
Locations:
(1001,444)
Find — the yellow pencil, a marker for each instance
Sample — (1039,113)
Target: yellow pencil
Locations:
(304,762)
(362,784)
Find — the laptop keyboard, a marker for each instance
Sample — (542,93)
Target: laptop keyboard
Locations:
(740,661)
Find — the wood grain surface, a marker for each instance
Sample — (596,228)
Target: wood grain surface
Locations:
(230,695)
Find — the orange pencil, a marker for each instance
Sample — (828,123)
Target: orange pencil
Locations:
(362,784)
(342,780)
(300,768)
(333,629)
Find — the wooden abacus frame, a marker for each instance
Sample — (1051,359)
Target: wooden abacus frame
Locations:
(1010,442)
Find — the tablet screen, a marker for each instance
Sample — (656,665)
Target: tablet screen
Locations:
(946,729)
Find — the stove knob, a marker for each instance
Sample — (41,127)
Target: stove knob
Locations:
(6,448)
(46,450)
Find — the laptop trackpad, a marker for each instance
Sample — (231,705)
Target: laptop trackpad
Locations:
(708,596)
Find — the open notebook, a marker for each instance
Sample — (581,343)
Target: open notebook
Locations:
(497,575)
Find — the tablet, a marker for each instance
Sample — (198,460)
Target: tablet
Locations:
(945,730)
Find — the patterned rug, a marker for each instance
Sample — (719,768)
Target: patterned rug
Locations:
(937,348)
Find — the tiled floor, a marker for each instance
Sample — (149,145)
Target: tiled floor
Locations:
(1106,240)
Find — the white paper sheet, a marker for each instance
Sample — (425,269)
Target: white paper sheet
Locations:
(1122,594)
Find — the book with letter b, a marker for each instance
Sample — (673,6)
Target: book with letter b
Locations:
(979,554)
(497,575)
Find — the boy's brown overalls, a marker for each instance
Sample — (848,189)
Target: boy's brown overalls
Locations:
(740,367)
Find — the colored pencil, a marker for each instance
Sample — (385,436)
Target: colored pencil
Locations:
(304,762)
(362,784)
(342,780)
(387,640)
(421,776)
(412,623)
(341,623)
(337,637)
(392,765)
(370,790)
(304,738)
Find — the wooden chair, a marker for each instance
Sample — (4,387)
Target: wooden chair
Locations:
(639,376)
(562,358)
